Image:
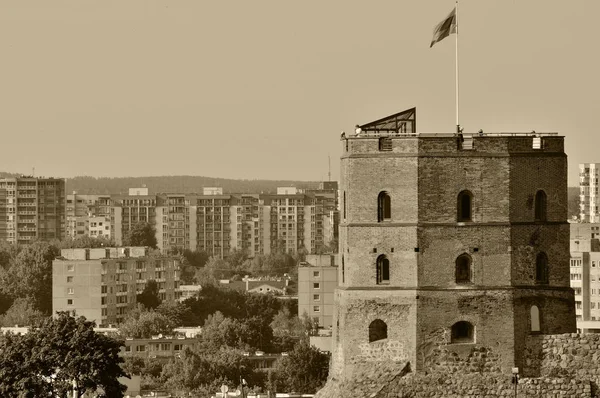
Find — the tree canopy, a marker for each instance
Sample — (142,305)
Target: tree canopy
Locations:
(305,369)
(30,275)
(56,355)
(149,297)
(141,234)
(143,324)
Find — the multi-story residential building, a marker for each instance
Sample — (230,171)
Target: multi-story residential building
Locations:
(102,284)
(317,281)
(32,208)
(128,210)
(291,221)
(98,226)
(585,275)
(585,230)
(588,192)
(79,210)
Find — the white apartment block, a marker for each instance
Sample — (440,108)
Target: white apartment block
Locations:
(588,192)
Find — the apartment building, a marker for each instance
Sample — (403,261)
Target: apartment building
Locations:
(588,192)
(102,284)
(128,210)
(317,281)
(32,208)
(585,277)
(291,220)
(79,211)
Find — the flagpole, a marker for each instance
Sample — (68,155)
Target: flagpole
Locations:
(457,120)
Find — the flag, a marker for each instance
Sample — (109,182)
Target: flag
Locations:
(444,28)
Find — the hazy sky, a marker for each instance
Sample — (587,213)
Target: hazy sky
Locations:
(263,88)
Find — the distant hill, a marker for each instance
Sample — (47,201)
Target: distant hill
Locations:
(178,184)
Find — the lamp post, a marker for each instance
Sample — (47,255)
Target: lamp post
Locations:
(515,380)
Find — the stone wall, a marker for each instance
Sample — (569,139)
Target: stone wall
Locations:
(567,366)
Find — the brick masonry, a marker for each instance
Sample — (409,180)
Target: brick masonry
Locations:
(423,176)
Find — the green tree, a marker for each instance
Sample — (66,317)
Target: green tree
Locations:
(304,369)
(30,275)
(149,297)
(57,354)
(179,314)
(202,371)
(143,324)
(141,234)
(21,313)
(84,241)
(288,329)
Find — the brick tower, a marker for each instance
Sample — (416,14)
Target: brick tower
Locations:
(449,244)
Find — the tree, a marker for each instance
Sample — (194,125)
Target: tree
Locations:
(21,313)
(141,234)
(304,369)
(57,354)
(30,275)
(287,329)
(143,324)
(84,241)
(149,296)
(202,371)
(179,314)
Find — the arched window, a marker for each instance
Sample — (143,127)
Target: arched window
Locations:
(463,273)
(540,206)
(541,268)
(464,206)
(377,330)
(535,318)
(462,332)
(383,270)
(384,207)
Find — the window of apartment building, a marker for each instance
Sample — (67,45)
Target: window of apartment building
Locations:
(316,274)
(578,305)
(70,291)
(140,348)
(69,301)
(316,308)
(69,279)
(103,300)
(592,305)
(316,285)
(70,268)
(593,264)
(127,348)
(316,297)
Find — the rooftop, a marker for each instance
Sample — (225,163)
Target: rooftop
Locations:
(403,124)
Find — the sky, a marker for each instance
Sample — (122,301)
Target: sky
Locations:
(262,89)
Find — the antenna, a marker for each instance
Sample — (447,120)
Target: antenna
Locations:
(33,171)
(329,165)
